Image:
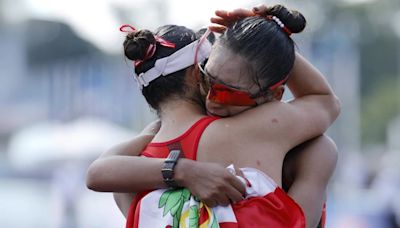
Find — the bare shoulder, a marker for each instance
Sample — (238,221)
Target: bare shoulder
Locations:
(221,136)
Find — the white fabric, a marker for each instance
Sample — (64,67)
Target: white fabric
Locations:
(179,60)
(153,213)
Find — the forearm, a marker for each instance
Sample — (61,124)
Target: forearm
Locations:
(132,147)
(134,174)
(307,84)
(114,168)
(305,79)
(125,174)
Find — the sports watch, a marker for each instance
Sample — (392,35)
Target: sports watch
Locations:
(168,167)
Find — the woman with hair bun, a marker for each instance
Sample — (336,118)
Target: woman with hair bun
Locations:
(245,73)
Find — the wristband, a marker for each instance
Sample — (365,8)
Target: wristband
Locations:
(168,167)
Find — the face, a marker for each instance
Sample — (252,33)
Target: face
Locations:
(232,89)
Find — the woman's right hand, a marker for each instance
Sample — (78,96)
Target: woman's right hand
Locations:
(212,183)
(223,19)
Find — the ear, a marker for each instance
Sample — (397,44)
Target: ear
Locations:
(192,75)
(196,79)
(277,93)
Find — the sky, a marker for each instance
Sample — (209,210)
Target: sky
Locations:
(98,22)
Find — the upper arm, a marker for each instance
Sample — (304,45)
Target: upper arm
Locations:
(308,169)
(288,124)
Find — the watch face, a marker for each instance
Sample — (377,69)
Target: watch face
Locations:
(167,170)
(174,155)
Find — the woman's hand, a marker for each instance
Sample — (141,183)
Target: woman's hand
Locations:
(212,183)
(224,19)
(152,128)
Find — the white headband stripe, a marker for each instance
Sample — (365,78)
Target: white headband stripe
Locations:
(179,60)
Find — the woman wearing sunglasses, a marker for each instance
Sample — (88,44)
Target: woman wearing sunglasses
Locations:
(247,67)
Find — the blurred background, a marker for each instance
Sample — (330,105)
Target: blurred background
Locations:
(67,94)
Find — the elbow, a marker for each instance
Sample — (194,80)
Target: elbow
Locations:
(336,107)
(94,180)
(332,108)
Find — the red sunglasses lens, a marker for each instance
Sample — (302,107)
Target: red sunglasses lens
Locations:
(224,95)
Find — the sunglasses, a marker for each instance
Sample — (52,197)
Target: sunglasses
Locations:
(222,93)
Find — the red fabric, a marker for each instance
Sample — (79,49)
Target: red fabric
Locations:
(189,143)
(276,209)
(323,217)
(134,210)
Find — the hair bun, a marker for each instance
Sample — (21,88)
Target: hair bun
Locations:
(292,19)
(136,44)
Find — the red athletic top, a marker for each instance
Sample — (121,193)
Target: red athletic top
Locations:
(189,141)
(275,209)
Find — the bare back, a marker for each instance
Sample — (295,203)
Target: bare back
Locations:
(226,144)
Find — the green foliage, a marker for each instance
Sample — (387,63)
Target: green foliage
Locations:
(193,216)
(173,201)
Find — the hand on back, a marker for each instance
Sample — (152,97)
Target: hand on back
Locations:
(212,183)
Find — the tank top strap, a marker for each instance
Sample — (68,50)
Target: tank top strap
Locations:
(190,143)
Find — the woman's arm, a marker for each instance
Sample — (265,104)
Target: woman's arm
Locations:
(121,170)
(132,147)
(99,171)
(288,124)
(315,107)
(306,173)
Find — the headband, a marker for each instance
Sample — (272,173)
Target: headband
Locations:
(196,51)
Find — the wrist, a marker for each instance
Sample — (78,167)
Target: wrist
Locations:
(168,169)
(182,168)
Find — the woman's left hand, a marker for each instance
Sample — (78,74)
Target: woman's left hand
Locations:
(152,128)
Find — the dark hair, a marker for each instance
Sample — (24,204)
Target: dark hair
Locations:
(267,48)
(162,88)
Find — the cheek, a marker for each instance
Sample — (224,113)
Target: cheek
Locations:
(216,109)
(234,110)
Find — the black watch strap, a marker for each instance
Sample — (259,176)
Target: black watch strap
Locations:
(168,168)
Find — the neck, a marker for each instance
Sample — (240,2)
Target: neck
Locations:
(180,113)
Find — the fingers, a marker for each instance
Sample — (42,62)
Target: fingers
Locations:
(152,128)
(260,10)
(221,200)
(210,203)
(239,172)
(234,195)
(241,13)
(220,21)
(217,29)
(225,18)
(222,13)
(234,14)
(237,184)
